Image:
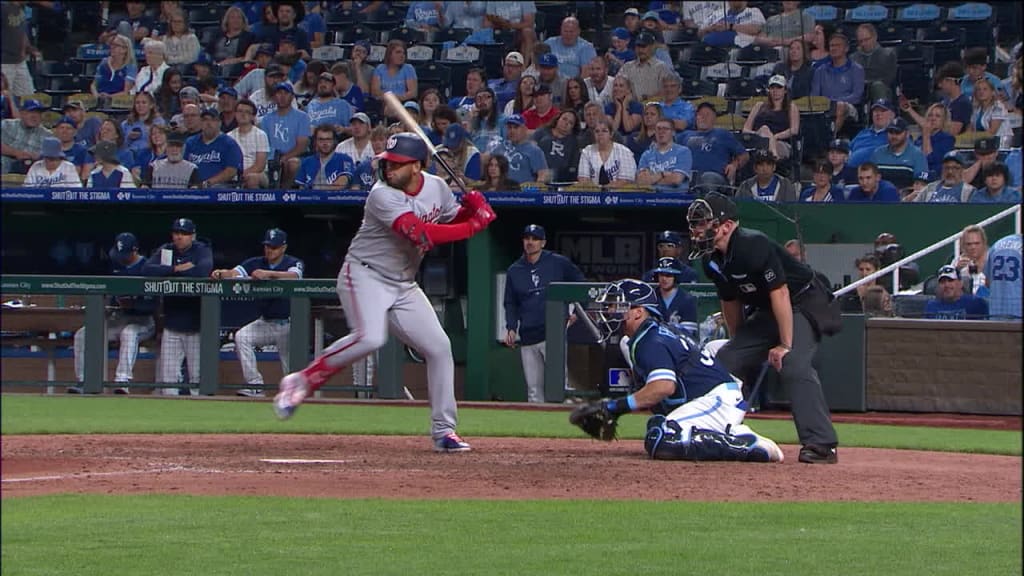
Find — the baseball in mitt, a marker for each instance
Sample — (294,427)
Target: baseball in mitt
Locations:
(595,419)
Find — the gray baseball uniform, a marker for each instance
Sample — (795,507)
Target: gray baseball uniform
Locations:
(377,288)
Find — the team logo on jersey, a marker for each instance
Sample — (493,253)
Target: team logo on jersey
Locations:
(769,275)
(747,288)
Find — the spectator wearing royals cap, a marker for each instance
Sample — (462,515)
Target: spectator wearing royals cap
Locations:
(631,21)
(651,21)
(620,52)
(997,189)
(227,101)
(52,170)
(951,302)
(253,79)
(871,137)
(264,97)
(465,156)
(74,152)
(950,187)
(765,184)
(646,72)
(88,128)
(986,153)
(525,159)
(899,151)
(548,75)
(572,51)
(109,172)
(327,107)
(22,138)
(838,153)
(716,152)
(217,157)
(358,147)
(288,130)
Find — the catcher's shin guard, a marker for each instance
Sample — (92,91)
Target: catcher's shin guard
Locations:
(665,440)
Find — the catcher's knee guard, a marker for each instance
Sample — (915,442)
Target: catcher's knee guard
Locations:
(666,440)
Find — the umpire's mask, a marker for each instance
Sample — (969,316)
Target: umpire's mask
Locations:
(704,217)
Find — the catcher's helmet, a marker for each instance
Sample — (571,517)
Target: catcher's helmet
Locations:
(404,147)
(704,217)
(620,296)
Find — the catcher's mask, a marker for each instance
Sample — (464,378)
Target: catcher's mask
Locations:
(619,297)
(704,217)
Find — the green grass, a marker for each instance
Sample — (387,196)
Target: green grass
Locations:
(110,415)
(131,535)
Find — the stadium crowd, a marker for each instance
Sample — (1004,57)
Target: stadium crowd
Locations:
(751,98)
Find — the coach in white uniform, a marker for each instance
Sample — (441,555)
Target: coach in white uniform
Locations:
(407,212)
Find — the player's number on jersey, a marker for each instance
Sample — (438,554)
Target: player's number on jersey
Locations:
(1006,268)
(705,355)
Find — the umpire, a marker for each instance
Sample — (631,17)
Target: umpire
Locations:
(788,312)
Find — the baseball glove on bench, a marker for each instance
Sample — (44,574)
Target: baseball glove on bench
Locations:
(595,419)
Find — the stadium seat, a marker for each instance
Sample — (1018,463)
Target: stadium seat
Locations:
(946,42)
(92,52)
(900,176)
(720,104)
(873,13)
(966,140)
(918,15)
(419,53)
(704,55)
(747,105)
(824,13)
(328,53)
(930,284)
(976,21)
(688,71)
(386,20)
(87,99)
(456,35)
(915,82)
(702,88)
(893,34)
(683,38)
(461,54)
(43,98)
(351,35)
(812,104)
(342,18)
(730,122)
(435,75)
(12,180)
(756,55)
(743,88)
(722,72)
(407,35)
(209,15)
(50,118)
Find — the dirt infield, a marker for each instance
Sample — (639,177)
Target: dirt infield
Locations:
(404,467)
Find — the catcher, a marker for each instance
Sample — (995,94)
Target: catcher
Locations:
(698,405)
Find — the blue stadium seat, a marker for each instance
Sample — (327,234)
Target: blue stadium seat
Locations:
(873,13)
(824,13)
(976,21)
(918,15)
(946,42)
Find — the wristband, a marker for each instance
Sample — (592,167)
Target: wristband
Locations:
(621,405)
(786,348)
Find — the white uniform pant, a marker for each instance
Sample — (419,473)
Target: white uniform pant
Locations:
(372,304)
(129,331)
(261,332)
(177,346)
(534,357)
(721,410)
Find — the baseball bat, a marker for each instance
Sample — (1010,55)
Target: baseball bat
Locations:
(757,387)
(581,312)
(410,123)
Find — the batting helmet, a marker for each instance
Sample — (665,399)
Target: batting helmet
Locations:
(404,147)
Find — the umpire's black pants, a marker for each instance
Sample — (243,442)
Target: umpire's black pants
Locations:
(748,349)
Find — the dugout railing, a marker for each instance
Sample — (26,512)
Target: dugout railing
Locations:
(96,289)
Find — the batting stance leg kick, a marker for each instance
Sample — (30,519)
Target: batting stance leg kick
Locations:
(407,212)
(698,406)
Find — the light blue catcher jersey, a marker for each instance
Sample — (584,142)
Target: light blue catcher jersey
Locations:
(1004,278)
(659,353)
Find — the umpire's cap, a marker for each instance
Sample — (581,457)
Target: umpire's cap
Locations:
(184,225)
(722,207)
(404,147)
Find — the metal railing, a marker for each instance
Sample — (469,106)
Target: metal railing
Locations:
(952,239)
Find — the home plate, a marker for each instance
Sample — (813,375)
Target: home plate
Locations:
(300,461)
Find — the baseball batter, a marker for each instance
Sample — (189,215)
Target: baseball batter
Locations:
(407,212)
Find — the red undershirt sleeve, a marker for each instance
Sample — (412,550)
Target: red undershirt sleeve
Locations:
(412,227)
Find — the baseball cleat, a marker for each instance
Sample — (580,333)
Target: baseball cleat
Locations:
(774,452)
(293,390)
(123,390)
(251,392)
(75,390)
(818,454)
(451,443)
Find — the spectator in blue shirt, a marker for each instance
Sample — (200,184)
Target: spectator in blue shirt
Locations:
(620,52)
(871,137)
(673,107)
(287,130)
(74,152)
(314,26)
(899,151)
(934,141)
(951,303)
(115,74)
(88,128)
(976,64)
(466,15)
(840,79)
(504,88)
(395,74)
(423,16)
(838,153)
(288,14)
(572,51)
(327,107)
(1013,162)
(217,157)
(822,189)
(345,88)
(325,168)
(996,190)
(871,187)
(665,165)
(525,159)
(717,154)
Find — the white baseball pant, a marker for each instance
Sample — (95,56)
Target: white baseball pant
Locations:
(719,410)
(129,332)
(261,332)
(534,357)
(177,346)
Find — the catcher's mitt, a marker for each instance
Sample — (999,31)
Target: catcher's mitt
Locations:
(595,420)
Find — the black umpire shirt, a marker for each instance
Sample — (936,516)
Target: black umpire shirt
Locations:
(753,266)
